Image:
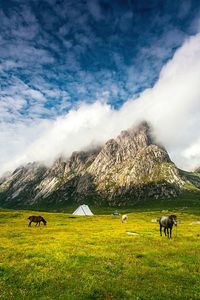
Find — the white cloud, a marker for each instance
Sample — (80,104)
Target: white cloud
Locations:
(37,95)
(172,106)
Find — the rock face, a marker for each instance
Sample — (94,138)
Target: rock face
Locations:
(123,171)
(197,170)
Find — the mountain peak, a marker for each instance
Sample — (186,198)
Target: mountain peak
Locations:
(125,169)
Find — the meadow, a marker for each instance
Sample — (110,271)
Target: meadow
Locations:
(95,257)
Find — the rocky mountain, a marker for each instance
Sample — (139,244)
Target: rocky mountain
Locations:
(123,171)
(197,170)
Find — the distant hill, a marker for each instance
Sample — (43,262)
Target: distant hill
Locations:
(123,171)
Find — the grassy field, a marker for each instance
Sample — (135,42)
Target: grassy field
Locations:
(95,258)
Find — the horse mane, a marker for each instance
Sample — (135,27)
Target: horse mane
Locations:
(172,217)
(43,220)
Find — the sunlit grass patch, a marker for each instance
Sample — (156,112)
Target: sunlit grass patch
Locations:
(95,258)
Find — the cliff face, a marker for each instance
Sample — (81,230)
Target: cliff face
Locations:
(197,170)
(123,171)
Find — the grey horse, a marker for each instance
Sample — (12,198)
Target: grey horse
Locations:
(167,223)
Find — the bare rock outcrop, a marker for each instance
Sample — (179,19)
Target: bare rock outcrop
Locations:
(126,169)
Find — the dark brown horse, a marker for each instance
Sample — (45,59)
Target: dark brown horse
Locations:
(37,220)
(167,223)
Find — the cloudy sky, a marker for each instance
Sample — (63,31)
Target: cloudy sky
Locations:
(75,73)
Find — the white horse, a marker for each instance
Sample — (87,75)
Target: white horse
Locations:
(124,218)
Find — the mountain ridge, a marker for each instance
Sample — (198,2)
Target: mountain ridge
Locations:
(126,169)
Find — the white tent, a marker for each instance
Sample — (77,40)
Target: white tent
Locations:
(83,210)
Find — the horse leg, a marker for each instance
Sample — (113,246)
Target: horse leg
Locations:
(36,223)
(170,232)
(29,223)
(39,223)
(165,231)
(160,230)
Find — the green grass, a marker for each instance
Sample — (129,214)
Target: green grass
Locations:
(95,258)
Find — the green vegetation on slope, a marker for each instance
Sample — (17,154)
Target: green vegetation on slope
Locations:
(95,258)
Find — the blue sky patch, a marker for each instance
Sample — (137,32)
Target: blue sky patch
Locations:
(55,54)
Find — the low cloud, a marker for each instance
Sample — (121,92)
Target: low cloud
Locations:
(172,106)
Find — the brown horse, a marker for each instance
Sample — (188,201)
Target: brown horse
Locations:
(37,220)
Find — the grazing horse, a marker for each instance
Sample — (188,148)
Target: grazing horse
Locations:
(124,218)
(167,223)
(37,220)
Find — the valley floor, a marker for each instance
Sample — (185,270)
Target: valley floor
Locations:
(95,258)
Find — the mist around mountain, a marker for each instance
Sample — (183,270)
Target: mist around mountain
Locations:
(124,171)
